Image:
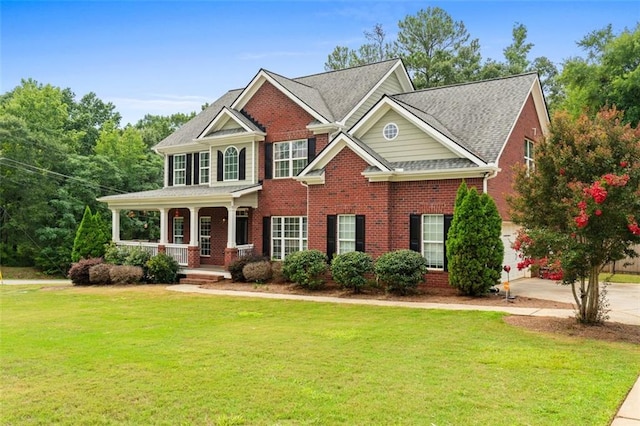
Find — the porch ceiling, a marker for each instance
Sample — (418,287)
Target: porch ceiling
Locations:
(183,196)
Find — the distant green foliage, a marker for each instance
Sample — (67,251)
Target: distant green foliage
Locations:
(90,237)
(115,254)
(474,247)
(162,268)
(305,268)
(350,269)
(401,270)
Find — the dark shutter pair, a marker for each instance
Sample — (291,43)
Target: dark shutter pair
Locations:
(415,231)
(192,169)
(242,165)
(268,156)
(332,234)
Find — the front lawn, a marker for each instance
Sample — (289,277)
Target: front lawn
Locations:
(619,278)
(144,355)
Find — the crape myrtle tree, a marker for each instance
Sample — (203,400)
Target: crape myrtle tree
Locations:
(580,206)
(474,247)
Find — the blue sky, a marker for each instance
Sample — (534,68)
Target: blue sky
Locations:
(169,56)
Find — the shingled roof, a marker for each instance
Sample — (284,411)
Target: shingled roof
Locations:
(331,94)
(478,116)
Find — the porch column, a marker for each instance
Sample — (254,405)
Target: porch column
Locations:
(115,225)
(163,226)
(231,226)
(193,226)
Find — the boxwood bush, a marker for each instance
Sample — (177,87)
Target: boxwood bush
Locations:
(401,270)
(236,267)
(305,268)
(162,268)
(349,270)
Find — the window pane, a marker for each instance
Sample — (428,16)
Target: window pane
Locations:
(179,169)
(299,149)
(231,164)
(288,235)
(281,151)
(433,240)
(346,233)
(204,167)
(205,236)
(282,168)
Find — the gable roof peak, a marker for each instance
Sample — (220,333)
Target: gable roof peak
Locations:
(467,83)
(348,68)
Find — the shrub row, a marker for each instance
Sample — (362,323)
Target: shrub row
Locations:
(399,271)
(161,268)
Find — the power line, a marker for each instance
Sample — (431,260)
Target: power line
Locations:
(31,169)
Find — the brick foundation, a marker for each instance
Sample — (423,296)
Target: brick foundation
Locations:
(230,255)
(193,257)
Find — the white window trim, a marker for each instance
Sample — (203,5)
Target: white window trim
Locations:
(224,165)
(201,169)
(176,170)
(384,131)
(423,241)
(201,237)
(302,240)
(529,159)
(290,159)
(176,235)
(349,240)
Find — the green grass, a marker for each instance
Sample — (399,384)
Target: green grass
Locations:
(25,273)
(144,355)
(619,278)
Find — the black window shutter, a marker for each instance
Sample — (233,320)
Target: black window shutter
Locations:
(220,167)
(311,149)
(268,161)
(414,232)
(196,168)
(360,233)
(170,182)
(266,236)
(188,171)
(447,224)
(242,168)
(332,221)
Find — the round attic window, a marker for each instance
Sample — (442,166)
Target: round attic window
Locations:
(390,131)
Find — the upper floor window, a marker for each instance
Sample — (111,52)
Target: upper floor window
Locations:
(205,166)
(289,158)
(528,155)
(180,169)
(231,164)
(390,131)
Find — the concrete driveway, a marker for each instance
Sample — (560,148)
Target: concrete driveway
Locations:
(624,299)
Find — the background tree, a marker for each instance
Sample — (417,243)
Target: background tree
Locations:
(580,205)
(90,237)
(377,49)
(474,247)
(608,76)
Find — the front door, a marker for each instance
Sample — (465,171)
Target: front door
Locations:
(242,230)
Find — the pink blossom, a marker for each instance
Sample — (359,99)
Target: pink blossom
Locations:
(598,212)
(582,220)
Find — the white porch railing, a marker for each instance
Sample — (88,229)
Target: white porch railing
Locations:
(245,250)
(151,248)
(179,252)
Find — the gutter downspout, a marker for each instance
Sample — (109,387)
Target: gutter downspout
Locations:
(485,179)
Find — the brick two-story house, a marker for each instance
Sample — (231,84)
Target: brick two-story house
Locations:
(355,159)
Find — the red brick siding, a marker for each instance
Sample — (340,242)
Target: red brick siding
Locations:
(283,120)
(346,191)
(502,185)
(218,234)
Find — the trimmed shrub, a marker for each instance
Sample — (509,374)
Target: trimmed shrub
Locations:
(401,270)
(277,276)
(305,268)
(114,254)
(137,256)
(236,267)
(162,268)
(257,271)
(349,269)
(79,272)
(125,274)
(99,274)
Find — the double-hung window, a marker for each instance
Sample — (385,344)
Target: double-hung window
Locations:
(205,236)
(178,230)
(205,167)
(528,155)
(180,169)
(231,164)
(346,233)
(288,235)
(433,240)
(289,158)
